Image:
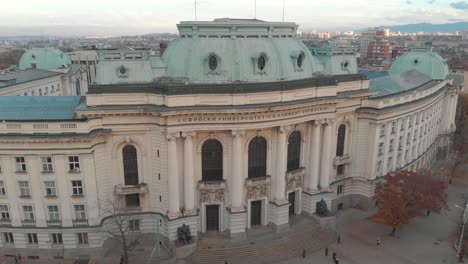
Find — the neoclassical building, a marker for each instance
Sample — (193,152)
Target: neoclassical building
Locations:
(44,72)
(238,124)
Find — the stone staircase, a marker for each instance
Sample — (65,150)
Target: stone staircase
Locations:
(311,238)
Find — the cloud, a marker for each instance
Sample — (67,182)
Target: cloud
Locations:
(408,2)
(431,2)
(462,5)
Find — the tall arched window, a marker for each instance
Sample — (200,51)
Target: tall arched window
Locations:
(78,87)
(294,150)
(257,157)
(130,163)
(212,160)
(340,140)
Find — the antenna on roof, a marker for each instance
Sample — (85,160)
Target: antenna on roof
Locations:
(283,8)
(255,9)
(195,10)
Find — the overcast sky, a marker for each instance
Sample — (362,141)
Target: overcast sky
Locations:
(119,17)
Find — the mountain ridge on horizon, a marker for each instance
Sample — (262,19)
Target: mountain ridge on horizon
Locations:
(426,27)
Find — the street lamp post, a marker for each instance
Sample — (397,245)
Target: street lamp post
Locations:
(460,241)
(159,223)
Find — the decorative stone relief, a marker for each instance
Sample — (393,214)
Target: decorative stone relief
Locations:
(212,192)
(295,179)
(258,188)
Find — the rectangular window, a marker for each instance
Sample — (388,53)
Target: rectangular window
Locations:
(381,147)
(389,163)
(2,188)
(57,239)
(390,149)
(134,225)
(415,135)
(82,238)
(393,127)
(32,238)
(80,212)
(47,164)
(53,212)
(51,191)
(28,212)
(4,212)
(400,143)
(402,126)
(408,138)
(339,189)
(378,167)
(74,163)
(8,238)
(24,188)
(20,164)
(77,187)
(382,130)
(410,123)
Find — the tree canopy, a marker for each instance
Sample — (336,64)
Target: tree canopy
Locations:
(405,194)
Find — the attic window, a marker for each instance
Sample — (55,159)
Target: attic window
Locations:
(300,60)
(261,62)
(33,56)
(416,61)
(346,64)
(122,70)
(212,62)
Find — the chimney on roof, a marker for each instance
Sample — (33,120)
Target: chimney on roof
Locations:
(162,48)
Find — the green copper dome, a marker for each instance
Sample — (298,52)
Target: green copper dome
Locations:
(239,50)
(44,58)
(424,60)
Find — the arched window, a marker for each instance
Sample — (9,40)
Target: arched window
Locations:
(212,160)
(294,150)
(257,157)
(340,140)
(78,87)
(130,162)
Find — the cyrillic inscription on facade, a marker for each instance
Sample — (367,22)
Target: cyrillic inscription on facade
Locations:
(254,117)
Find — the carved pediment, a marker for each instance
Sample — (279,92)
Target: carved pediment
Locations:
(258,188)
(295,179)
(212,192)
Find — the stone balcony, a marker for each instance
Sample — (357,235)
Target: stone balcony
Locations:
(295,179)
(28,222)
(258,187)
(80,222)
(212,191)
(54,223)
(341,160)
(5,222)
(131,189)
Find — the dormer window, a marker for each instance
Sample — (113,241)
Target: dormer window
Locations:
(259,63)
(297,59)
(416,61)
(122,72)
(212,62)
(345,66)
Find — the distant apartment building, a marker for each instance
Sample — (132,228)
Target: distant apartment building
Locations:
(366,38)
(464,34)
(380,49)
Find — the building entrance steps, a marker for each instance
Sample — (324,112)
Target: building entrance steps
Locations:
(263,244)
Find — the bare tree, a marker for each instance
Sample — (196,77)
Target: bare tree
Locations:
(116,228)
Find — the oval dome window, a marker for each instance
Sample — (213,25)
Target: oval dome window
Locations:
(300,60)
(212,62)
(122,70)
(416,61)
(261,62)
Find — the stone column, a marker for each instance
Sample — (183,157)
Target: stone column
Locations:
(281,160)
(236,173)
(189,188)
(314,162)
(326,154)
(173,175)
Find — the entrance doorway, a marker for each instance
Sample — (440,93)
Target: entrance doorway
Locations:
(292,203)
(256,213)
(212,217)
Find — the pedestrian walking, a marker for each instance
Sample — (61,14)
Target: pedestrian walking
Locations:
(122,259)
(428,212)
(334,256)
(378,241)
(303,253)
(338,241)
(337,261)
(326,251)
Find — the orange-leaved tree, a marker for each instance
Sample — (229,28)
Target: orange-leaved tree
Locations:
(404,194)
